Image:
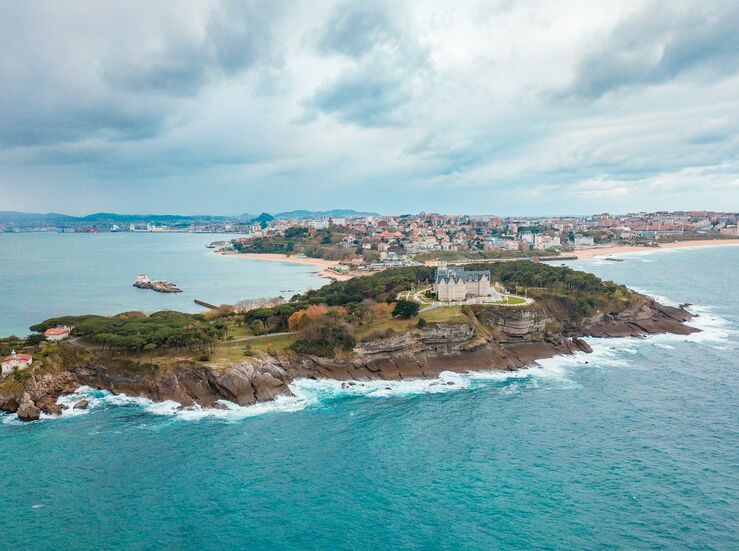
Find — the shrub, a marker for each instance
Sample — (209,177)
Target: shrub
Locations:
(382,310)
(406,309)
(378,335)
(257,327)
(324,337)
(360,314)
(301,318)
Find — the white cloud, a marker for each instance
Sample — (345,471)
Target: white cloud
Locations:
(523,107)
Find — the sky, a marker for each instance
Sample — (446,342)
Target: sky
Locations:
(493,107)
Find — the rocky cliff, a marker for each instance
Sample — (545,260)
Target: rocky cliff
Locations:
(495,338)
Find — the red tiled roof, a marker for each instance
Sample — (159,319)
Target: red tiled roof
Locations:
(19,357)
(56,331)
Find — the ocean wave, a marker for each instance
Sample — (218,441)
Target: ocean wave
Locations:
(171,408)
(713,328)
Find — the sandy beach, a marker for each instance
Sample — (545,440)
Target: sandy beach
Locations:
(585,254)
(324,265)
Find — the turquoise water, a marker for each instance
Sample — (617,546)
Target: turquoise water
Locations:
(631,447)
(50,274)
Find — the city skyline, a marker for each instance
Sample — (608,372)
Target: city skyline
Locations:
(514,108)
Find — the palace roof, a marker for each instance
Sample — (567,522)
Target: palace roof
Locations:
(456,274)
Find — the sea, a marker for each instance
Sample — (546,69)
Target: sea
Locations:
(53,274)
(635,446)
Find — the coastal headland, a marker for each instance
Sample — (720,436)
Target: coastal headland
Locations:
(352,331)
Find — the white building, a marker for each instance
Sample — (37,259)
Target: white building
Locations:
(455,284)
(15,361)
(582,241)
(543,242)
(57,333)
(319,224)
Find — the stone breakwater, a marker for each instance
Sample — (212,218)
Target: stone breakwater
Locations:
(501,339)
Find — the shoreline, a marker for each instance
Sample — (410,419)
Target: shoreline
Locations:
(324,265)
(588,254)
(424,355)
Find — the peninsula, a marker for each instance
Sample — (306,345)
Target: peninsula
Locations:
(401,323)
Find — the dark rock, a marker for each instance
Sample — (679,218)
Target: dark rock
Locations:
(27,410)
(82,404)
(582,345)
(48,405)
(9,404)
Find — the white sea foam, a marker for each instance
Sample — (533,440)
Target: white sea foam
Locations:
(550,373)
(230,410)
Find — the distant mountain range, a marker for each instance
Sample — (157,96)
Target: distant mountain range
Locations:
(53,218)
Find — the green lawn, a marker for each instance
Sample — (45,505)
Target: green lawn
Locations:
(445,314)
(233,352)
(513,300)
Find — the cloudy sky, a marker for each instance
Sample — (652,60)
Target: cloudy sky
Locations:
(508,107)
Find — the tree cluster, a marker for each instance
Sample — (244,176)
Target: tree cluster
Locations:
(137,332)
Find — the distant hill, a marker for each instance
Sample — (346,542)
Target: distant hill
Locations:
(7,216)
(30,219)
(27,219)
(264,217)
(336,213)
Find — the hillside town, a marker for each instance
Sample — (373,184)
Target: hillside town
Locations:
(414,233)
(381,241)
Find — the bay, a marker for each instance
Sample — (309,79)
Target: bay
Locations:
(53,274)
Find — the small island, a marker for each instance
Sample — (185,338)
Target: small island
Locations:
(401,323)
(160,286)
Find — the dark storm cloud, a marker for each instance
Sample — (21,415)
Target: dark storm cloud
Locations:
(237,36)
(666,40)
(363,97)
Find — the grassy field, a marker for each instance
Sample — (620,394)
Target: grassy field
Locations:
(397,325)
(512,300)
(234,352)
(445,314)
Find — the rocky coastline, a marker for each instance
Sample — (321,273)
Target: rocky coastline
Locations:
(504,339)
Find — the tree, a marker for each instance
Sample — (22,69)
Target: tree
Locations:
(257,327)
(360,314)
(324,337)
(34,339)
(406,309)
